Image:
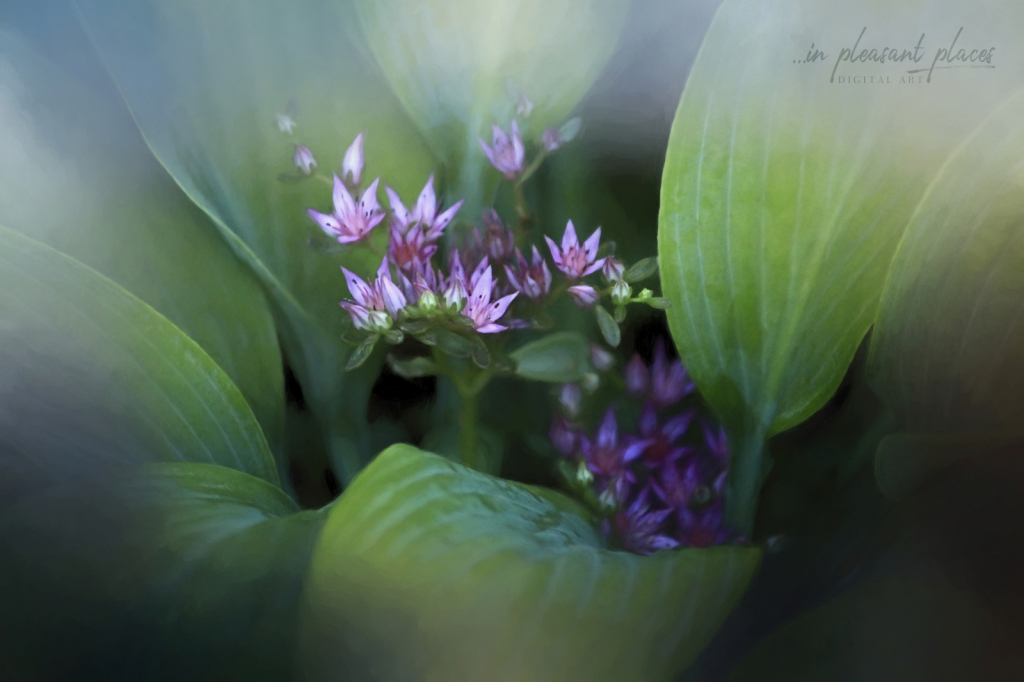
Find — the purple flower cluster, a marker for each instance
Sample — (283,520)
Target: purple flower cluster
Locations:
(655,490)
(414,233)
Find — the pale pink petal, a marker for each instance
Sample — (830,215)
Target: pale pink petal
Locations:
(478,272)
(344,205)
(495,310)
(394,299)
(426,205)
(556,253)
(352,164)
(569,240)
(517,145)
(442,220)
(328,223)
(368,202)
(397,207)
(361,291)
(360,316)
(594,267)
(592,244)
(481,295)
(490,329)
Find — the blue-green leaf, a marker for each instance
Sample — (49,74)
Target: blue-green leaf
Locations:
(428,570)
(91,376)
(76,175)
(168,571)
(205,84)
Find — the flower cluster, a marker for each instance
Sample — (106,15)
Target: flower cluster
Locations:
(656,488)
(410,284)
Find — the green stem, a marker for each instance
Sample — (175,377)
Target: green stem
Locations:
(468,441)
(746,472)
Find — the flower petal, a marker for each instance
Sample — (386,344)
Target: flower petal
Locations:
(426,204)
(328,223)
(399,210)
(352,164)
(569,240)
(592,244)
(344,204)
(360,290)
(556,253)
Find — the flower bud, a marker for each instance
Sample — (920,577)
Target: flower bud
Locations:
(645,295)
(352,164)
(285,124)
(584,295)
(600,358)
(304,160)
(427,301)
(570,398)
(621,292)
(584,477)
(590,382)
(613,269)
(379,321)
(551,140)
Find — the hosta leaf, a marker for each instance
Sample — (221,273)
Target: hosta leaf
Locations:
(90,375)
(458,65)
(76,175)
(784,196)
(948,350)
(205,82)
(427,570)
(168,572)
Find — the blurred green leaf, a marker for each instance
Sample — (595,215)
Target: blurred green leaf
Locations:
(608,325)
(412,368)
(905,460)
(641,270)
(561,358)
(205,84)
(362,352)
(92,376)
(946,353)
(428,570)
(166,572)
(76,175)
(785,195)
(459,66)
(452,344)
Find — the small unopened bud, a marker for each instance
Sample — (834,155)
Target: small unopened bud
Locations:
(584,477)
(570,398)
(427,301)
(645,295)
(524,107)
(584,295)
(379,321)
(304,160)
(352,164)
(612,269)
(455,296)
(590,382)
(600,358)
(551,140)
(285,124)
(702,495)
(621,292)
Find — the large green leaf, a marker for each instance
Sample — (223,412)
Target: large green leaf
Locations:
(205,82)
(785,195)
(171,571)
(427,570)
(459,65)
(947,353)
(92,376)
(76,175)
